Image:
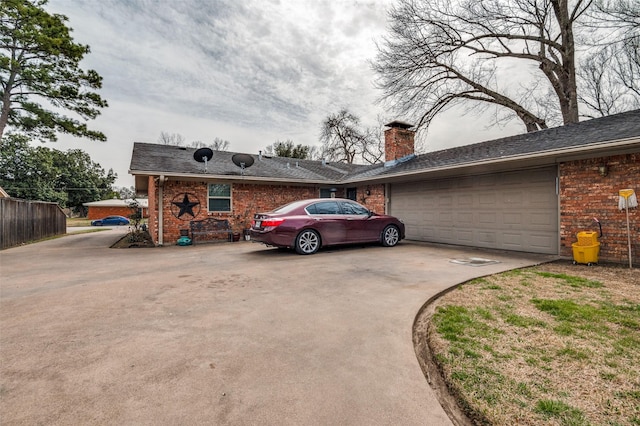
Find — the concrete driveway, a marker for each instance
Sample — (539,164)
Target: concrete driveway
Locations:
(232,333)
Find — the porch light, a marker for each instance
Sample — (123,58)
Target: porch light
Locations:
(603,170)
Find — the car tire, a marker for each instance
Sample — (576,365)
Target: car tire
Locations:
(390,236)
(307,242)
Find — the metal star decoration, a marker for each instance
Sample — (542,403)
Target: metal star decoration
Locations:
(186,206)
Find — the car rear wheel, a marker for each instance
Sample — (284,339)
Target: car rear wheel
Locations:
(307,242)
(390,236)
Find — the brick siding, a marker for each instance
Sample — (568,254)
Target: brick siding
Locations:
(584,194)
(100,212)
(247,199)
(153,208)
(398,143)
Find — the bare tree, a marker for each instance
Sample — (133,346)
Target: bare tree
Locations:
(343,140)
(610,75)
(167,138)
(218,144)
(442,53)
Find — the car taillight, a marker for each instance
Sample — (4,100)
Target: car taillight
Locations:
(267,223)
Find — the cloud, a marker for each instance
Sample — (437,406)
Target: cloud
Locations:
(251,71)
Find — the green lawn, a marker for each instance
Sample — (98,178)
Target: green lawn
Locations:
(78,221)
(535,347)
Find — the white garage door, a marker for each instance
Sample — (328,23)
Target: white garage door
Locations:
(511,210)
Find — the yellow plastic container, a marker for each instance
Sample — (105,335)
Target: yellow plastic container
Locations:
(587,238)
(585,254)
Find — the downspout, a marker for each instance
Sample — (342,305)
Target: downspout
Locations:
(387,198)
(161,181)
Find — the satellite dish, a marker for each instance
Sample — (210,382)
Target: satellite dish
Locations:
(203,155)
(243,161)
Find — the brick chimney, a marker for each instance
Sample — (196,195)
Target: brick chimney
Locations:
(398,140)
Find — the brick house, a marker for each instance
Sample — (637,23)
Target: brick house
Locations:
(114,207)
(531,192)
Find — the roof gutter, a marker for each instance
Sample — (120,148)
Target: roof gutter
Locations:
(228,177)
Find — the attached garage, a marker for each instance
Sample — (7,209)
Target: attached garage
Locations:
(511,210)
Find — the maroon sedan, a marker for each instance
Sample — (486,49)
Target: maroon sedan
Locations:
(308,225)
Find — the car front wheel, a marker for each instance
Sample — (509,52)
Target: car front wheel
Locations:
(307,242)
(390,236)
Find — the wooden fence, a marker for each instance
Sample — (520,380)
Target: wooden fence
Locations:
(23,220)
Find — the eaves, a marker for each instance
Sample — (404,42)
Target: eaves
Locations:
(234,178)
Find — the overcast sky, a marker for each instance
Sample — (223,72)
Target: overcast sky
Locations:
(250,72)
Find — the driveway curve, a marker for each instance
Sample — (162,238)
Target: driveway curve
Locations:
(232,333)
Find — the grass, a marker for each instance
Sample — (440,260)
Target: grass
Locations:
(539,346)
(73,222)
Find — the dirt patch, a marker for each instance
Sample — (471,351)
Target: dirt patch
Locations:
(518,361)
(136,239)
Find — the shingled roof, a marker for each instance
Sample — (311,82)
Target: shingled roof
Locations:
(154,159)
(620,131)
(608,135)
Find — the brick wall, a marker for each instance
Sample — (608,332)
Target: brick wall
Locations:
(374,200)
(584,194)
(398,143)
(153,211)
(247,199)
(100,212)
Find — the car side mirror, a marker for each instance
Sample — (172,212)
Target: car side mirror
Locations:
(370,213)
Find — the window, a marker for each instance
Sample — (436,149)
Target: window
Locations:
(219,197)
(325,207)
(328,192)
(352,208)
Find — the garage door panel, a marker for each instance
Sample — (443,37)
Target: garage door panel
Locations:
(512,219)
(542,219)
(512,241)
(446,234)
(429,233)
(541,241)
(464,201)
(487,199)
(510,210)
(512,199)
(541,199)
(464,219)
(486,220)
(486,239)
(445,219)
(464,237)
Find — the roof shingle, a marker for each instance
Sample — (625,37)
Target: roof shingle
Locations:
(173,160)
